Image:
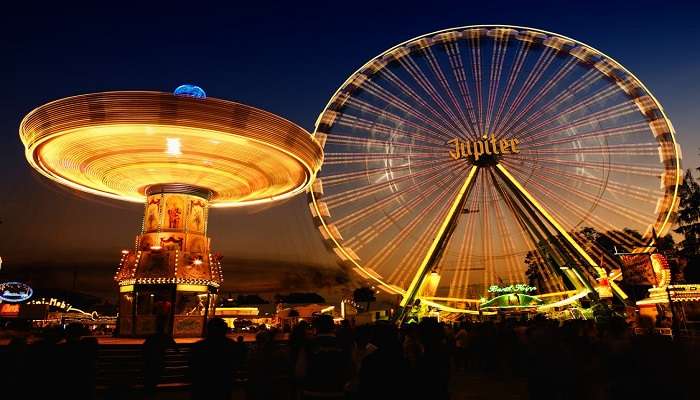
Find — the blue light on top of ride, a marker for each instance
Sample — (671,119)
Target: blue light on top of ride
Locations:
(190,91)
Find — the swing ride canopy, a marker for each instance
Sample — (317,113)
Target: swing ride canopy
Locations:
(118,144)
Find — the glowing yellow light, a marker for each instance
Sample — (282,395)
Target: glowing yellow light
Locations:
(251,156)
(182,287)
(560,229)
(564,302)
(174,147)
(438,237)
(197,262)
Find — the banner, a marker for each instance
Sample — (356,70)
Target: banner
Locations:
(637,269)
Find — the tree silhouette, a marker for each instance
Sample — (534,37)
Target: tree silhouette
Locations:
(364,294)
(689,226)
(689,216)
(534,277)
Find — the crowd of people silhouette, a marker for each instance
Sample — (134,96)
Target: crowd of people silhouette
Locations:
(574,359)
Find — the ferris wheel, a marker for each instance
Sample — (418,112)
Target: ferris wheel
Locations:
(486,158)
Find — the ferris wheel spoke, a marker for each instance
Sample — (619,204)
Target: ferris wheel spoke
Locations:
(437,203)
(367,143)
(547,87)
(366,212)
(412,257)
(584,82)
(411,93)
(619,188)
(341,158)
(441,124)
(566,204)
(497,58)
(610,113)
(346,177)
(348,196)
(528,233)
(619,209)
(382,114)
(506,236)
(467,254)
(460,77)
(476,75)
(579,213)
(538,118)
(424,83)
(462,120)
(632,169)
(636,149)
(441,235)
(486,245)
(636,128)
(544,60)
(371,232)
(372,128)
(515,70)
(460,275)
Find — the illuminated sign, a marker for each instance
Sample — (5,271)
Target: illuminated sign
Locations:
(512,300)
(15,292)
(688,292)
(52,302)
(512,288)
(9,310)
(235,311)
(486,146)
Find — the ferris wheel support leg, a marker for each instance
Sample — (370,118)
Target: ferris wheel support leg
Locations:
(436,247)
(560,229)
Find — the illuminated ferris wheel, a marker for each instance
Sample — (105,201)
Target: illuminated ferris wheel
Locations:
(487,158)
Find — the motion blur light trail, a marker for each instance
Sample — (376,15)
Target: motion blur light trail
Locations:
(595,154)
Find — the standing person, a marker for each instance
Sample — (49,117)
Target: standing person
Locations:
(434,361)
(412,348)
(79,352)
(385,363)
(297,339)
(211,366)
(154,349)
(461,344)
(324,366)
(266,365)
(240,358)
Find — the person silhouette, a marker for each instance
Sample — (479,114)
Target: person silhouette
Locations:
(211,366)
(154,349)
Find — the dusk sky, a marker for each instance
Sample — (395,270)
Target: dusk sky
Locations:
(287,59)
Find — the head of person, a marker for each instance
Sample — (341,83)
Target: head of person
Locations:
(216,328)
(323,324)
(74,331)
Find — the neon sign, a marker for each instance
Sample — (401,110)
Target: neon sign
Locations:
(15,292)
(517,288)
